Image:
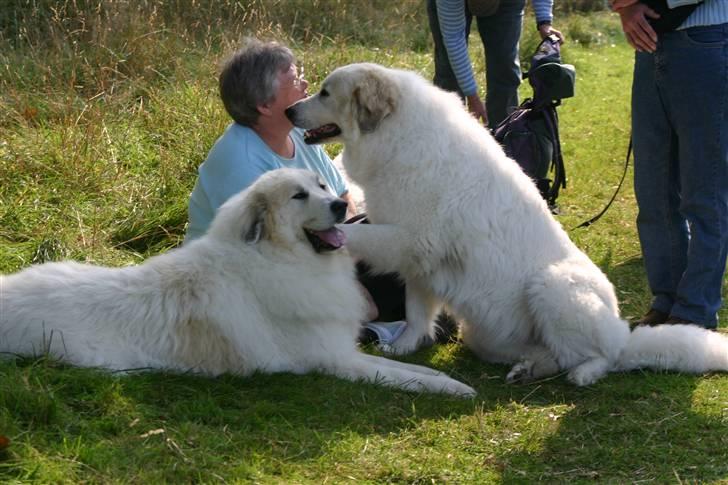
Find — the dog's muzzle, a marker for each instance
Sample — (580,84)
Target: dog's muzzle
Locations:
(313,135)
(291,114)
(332,238)
(329,239)
(338,208)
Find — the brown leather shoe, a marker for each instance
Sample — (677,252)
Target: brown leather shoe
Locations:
(677,320)
(653,317)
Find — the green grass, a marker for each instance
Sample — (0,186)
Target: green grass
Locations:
(106,112)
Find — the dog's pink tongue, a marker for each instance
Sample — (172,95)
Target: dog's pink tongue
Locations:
(333,237)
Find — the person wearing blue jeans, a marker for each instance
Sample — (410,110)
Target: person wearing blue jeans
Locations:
(500,32)
(680,139)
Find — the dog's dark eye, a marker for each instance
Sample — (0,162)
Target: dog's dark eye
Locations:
(300,195)
(323,93)
(322,186)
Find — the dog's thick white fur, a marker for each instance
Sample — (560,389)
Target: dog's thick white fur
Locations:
(251,295)
(466,227)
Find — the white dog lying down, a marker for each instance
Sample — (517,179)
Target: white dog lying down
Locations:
(250,295)
(466,227)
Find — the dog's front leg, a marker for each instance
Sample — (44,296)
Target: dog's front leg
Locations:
(388,248)
(379,370)
(422,308)
(385,247)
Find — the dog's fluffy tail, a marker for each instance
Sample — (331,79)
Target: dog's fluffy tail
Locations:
(683,348)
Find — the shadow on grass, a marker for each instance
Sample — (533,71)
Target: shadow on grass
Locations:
(187,425)
(629,428)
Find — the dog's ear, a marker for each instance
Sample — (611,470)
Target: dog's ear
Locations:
(374,99)
(254,227)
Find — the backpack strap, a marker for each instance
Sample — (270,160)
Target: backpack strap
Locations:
(614,196)
(557,162)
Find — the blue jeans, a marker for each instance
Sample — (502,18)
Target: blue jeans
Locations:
(500,34)
(680,133)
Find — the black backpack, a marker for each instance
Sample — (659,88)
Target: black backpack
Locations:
(530,134)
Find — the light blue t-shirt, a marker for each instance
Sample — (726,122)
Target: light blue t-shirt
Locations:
(237,159)
(710,12)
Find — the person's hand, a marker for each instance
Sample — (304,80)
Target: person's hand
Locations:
(351,208)
(637,28)
(477,108)
(547,29)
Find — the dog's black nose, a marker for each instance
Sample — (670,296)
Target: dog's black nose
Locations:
(338,207)
(291,113)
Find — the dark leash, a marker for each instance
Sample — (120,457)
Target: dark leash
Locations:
(594,219)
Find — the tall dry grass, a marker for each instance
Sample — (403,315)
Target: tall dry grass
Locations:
(89,49)
(107,107)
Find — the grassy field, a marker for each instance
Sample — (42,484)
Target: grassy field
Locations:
(106,110)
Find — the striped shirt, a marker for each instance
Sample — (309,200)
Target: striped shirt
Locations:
(451,15)
(710,12)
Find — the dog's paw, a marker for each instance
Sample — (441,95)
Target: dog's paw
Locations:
(520,373)
(460,390)
(448,385)
(588,373)
(583,377)
(408,342)
(580,377)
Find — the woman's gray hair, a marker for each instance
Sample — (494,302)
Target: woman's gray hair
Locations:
(249,78)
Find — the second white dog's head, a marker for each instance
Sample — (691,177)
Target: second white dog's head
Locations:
(353,100)
(286,208)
